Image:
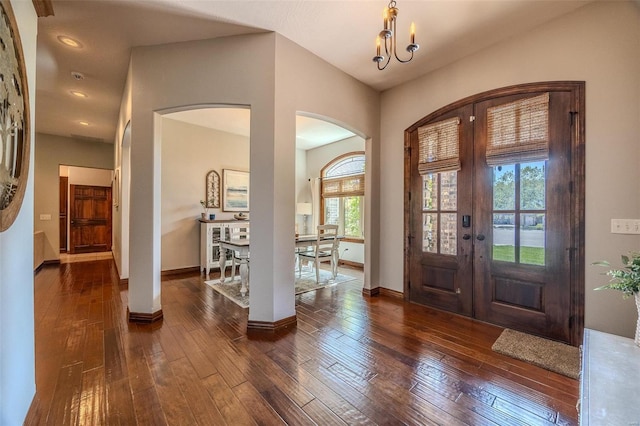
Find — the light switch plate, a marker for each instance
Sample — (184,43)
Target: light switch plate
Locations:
(625,226)
(45,217)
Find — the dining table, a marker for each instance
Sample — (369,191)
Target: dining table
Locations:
(240,248)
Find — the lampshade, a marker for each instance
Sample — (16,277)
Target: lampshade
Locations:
(304,208)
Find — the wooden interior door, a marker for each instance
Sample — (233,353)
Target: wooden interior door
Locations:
(64,206)
(441,243)
(519,258)
(90,214)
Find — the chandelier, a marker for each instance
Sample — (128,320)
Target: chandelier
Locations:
(388,36)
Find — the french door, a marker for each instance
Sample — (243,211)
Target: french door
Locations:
(497,236)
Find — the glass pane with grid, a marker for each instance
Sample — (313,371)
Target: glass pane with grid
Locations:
(519,202)
(439,205)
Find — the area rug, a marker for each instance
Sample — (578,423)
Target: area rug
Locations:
(307,282)
(550,355)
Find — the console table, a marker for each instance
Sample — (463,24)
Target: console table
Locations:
(610,380)
(210,232)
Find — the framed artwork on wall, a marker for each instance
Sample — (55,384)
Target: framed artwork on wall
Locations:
(15,127)
(235,192)
(212,189)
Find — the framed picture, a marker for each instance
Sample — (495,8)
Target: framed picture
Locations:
(212,189)
(235,191)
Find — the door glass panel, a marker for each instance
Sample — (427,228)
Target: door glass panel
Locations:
(430,232)
(439,204)
(504,188)
(430,191)
(448,233)
(504,237)
(449,190)
(532,241)
(532,186)
(519,213)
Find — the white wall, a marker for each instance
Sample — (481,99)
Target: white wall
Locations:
(303,187)
(17,359)
(89,176)
(189,152)
(598,43)
(318,158)
(171,77)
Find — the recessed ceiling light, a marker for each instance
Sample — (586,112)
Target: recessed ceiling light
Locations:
(83,123)
(77,75)
(68,41)
(79,94)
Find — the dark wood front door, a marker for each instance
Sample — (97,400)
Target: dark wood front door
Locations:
(500,243)
(90,214)
(441,270)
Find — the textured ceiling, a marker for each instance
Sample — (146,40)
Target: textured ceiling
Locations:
(341,33)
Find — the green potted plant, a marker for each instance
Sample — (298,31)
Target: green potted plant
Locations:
(626,280)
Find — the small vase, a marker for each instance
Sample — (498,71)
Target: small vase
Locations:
(637,338)
(204,216)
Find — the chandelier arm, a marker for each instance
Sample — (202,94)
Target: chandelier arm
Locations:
(386,63)
(405,60)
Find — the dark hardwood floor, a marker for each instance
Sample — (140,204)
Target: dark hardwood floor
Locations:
(351,360)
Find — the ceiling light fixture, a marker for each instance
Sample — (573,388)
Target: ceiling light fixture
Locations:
(68,41)
(78,94)
(83,123)
(388,35)
(77,75)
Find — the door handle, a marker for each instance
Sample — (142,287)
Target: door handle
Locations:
(480,237)
(466,237)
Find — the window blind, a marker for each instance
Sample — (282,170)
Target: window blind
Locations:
(343,187)
(439,147)
(518,131)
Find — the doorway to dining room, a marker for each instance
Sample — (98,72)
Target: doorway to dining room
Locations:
(319,144)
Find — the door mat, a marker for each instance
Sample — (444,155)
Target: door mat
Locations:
(553,356)
(307,282)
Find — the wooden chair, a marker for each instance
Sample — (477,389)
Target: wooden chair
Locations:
(326,247)
(237,231)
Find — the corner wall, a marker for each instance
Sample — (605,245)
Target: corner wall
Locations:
(597,43)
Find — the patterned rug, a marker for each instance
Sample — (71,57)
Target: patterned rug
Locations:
(307,282)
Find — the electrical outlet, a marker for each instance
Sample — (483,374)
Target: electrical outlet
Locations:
(625,226)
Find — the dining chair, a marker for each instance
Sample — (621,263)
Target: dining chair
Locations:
(237,232)
(325,247)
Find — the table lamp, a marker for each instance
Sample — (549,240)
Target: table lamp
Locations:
(304,209)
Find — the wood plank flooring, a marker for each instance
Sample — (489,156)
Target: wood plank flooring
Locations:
(351,360)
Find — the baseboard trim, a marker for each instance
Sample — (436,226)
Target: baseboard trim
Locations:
(51,262)
(272,327)
(391,293)
(371,292)
(144,317)
(355,265)
(170,273)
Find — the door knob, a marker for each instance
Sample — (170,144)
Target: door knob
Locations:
(480,237)
(466,237)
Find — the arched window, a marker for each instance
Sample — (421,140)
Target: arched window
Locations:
(342,190)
